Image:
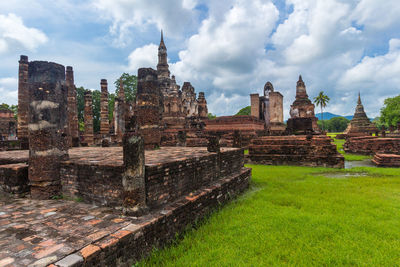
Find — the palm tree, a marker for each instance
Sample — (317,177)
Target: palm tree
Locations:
(321,100)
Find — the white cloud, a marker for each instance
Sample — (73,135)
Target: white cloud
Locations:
(13,31)
(8,82)
(224,52)
(377,15)
(8,90)
(143,57)
(379,75)
(174,16)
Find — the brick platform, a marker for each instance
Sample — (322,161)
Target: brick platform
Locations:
(42,232)
(182,186)
(248,126)
(368,145)
(386,160)
(317,150)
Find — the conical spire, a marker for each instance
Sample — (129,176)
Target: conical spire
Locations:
(162,66)
(359,98)
(162,44)
(301,89)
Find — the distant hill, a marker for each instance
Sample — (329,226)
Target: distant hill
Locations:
(245,111)
(328,116)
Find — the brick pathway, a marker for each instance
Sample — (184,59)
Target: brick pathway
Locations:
(39,232)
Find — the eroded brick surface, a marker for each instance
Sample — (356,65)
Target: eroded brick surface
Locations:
(368,145)
(386,160)
(312,150)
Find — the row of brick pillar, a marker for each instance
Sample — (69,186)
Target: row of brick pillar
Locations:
(72,109)
(48,129)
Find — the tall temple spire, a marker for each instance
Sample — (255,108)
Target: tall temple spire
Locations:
(359,98)
(162,66)
(301,92)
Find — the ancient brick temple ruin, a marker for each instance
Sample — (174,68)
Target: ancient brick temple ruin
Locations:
(132,199)
(300,143)
(88,136)
(369,145)
(269,108)
(47,127)
(73,127)
(302,117)
(8,125)
(23,102)
(360,125)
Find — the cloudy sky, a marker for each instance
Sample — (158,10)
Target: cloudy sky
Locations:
(226,48)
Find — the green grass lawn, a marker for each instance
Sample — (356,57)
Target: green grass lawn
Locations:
(299,216)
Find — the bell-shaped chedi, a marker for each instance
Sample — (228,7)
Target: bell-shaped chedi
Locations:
(302,117)
(360,124)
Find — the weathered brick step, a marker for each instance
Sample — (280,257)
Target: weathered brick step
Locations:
(386,160)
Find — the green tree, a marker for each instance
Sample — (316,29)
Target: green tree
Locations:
(211,116)
(338,124)
(4,106)
(245,111)
(80,100)
(13,108)
(335,125)
(96,94)
(378,123)
(321,100)
(390,112)
(130,86)
(111,103)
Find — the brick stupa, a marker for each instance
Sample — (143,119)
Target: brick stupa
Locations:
(360,124)
(302,117)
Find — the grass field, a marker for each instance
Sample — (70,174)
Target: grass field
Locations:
(299,216)
(349,157)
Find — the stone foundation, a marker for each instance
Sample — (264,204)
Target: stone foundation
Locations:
(368,145)
(386,160)
(301,150)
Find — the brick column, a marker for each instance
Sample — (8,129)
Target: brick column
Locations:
(104,122)
(73,126)
(148,107)
(213,143)
(23,102)
(48,127)
(119,113)
(133,178)
(202,105)
(237,139)
(88,118)
(255,105)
